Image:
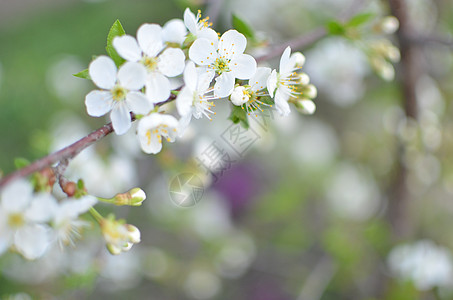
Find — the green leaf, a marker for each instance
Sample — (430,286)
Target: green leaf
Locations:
(243,27)
(359,19)
(21,162)
(335,28)
(83,74)
(238,115)
(116,30)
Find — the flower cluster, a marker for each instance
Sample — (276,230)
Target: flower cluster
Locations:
(31,222)
(213,66)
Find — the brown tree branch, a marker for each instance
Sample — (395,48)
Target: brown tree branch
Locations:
(410,72)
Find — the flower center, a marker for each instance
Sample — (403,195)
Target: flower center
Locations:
(16,220)
(203,23)
(118,93)
(222,65)
(150,63)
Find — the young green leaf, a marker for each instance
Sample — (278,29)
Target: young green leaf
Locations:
(83,74)
(238,115)
(21,162)
(335,28)
(359,19)
(116,30)
(244,28)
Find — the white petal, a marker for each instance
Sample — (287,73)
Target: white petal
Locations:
(121,118)
(281,103)
(6,239)
(138,103)
(98,103)
(127,47)
(132,76)
(157,87)
(205,77)
(184,124)
(184,101)
(243,66)
(171,62)
(202,52)
(32,241)
(149,38)
(149,141)
(174,31)
(286,64)
(16,196)
(272,83)
(103,72)
(232,43)
(190,76)
(42,208)
(224,85)
(210,34)
(71,208)
(190,21)
(259,80)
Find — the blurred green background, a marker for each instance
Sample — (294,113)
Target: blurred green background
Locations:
(315,210)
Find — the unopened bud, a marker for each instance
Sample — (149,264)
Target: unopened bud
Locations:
(383,68)
(134,233)
(70,188)
(304,79)
(389,25)
(239,96)
(299,59)
(134,197)
(310,91)
(306,106)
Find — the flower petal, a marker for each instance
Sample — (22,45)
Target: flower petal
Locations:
(210,34)
(127,47)
(98,103)
(16,196)
(285,61)
(202,52)
(102,71)
(232,43)
(184,101)
(121,118)
(190,76)
(32,241)
(281,103)
(42,208)
(149,141)
(259,80)
(190,21)
(174,31)
(205,77)
(149,38)
(157,87)
(132,76)
(171,62)
(243,66)
(184,124)
(138,103)
(224,85)
(272,83)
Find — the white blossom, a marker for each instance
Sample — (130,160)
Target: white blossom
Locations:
(120,92)
(199,27)
(247,96)
(151,129)
(119,237)
(281,84)
(423,262)
(22,218)
(66,222)
(195,98)
(149,50)
(226,58)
